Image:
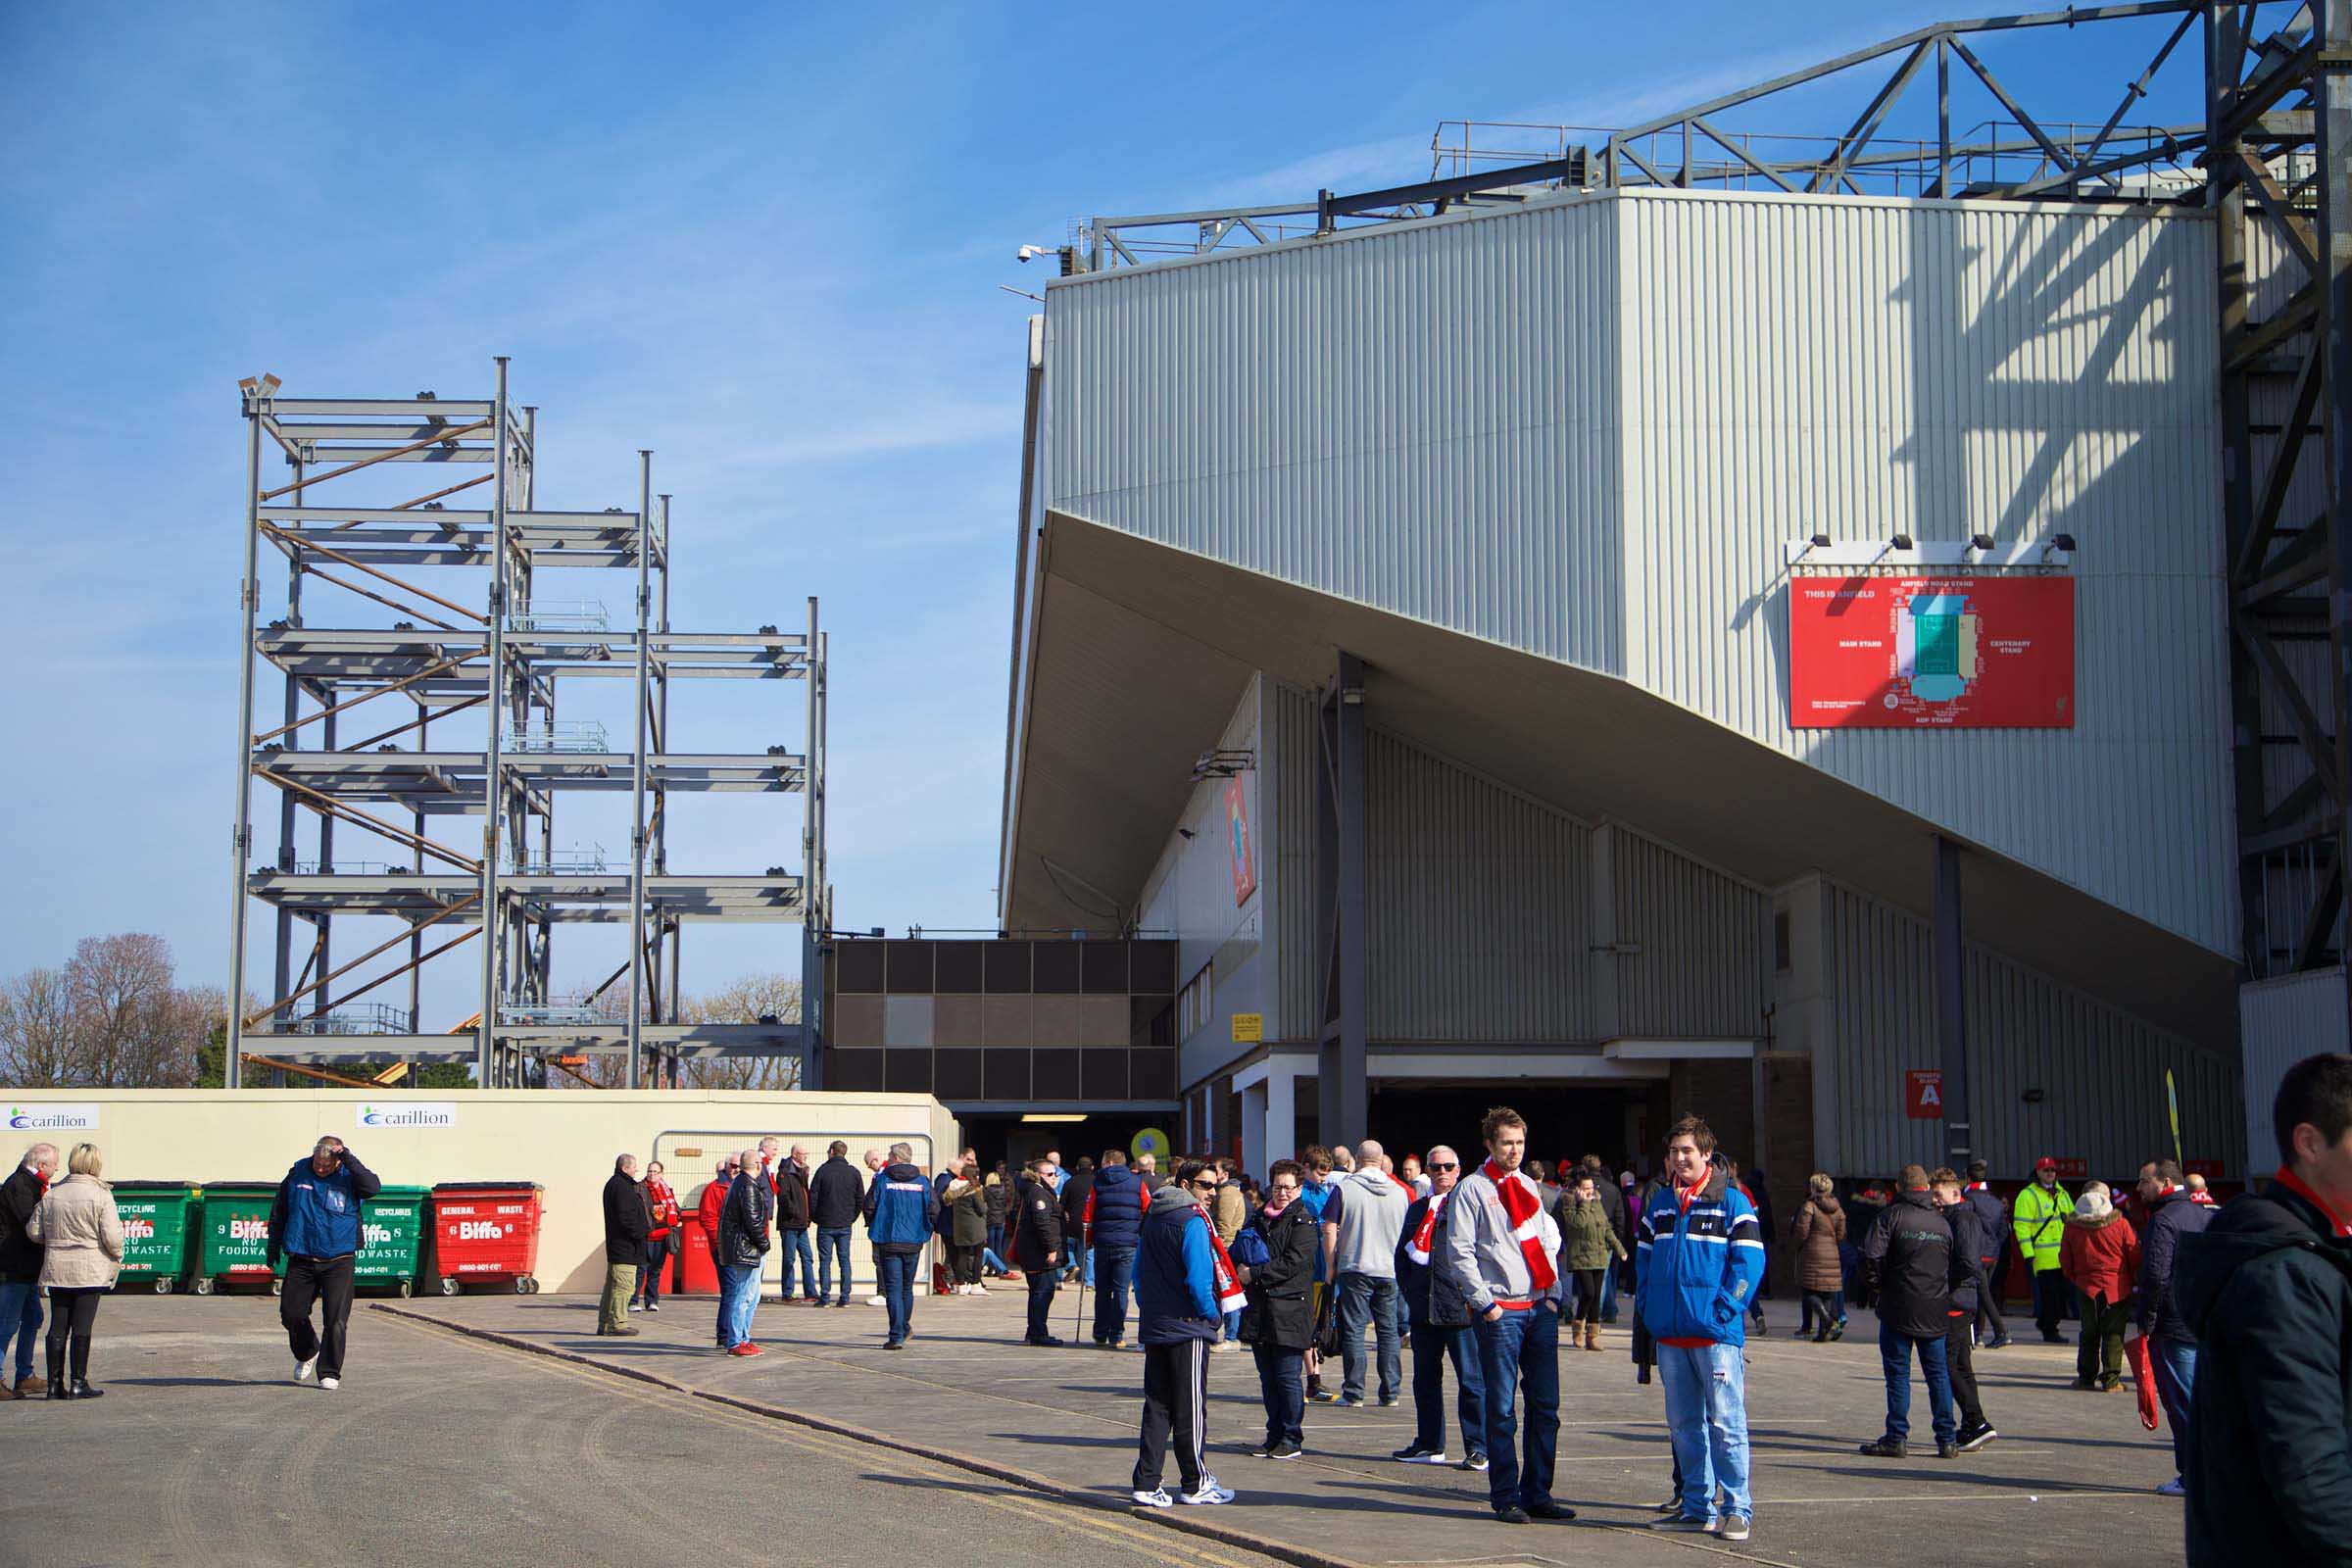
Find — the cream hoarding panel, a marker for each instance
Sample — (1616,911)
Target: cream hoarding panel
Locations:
(563,1141)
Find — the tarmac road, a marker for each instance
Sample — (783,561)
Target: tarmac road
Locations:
(438,1449)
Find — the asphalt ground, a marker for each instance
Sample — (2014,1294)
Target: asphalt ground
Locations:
(2071,1479)
(440,1449)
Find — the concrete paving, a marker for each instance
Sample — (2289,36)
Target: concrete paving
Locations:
(2068,1482)
(440,1449)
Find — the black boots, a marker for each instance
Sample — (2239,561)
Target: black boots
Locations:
(83,1391)
(59,1387)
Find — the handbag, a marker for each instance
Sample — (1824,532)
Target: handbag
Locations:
(2143,1379)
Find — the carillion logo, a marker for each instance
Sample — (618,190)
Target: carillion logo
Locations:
(51,1118)
(439,1114)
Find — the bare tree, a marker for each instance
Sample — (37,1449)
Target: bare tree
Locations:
(755,999)
(128,1015)
(36,1030)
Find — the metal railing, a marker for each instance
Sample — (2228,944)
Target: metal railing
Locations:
(361,1019)
(577,859)
(564,1014)
(348,869)
(561,614)
(558,735)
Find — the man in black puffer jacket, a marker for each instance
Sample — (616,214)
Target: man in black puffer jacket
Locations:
(2268,1288)
(743,1242)
(1913,1263)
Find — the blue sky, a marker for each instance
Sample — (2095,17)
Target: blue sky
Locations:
(764,241)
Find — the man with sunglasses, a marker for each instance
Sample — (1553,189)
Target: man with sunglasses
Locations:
(1439,1321)
(1176,1289)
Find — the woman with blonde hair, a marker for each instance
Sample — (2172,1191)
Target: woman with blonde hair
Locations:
(81,1251)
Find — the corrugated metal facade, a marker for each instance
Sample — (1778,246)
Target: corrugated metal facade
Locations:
(1478,906)
(1586,428)
(2100,1073)
(1455,382)
(2280,1022)
(1705,965)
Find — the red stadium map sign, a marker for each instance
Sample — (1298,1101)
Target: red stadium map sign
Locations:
(1919,652)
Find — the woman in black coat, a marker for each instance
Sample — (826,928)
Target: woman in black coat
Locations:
(1279,1324)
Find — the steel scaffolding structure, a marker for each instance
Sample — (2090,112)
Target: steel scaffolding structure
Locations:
(480,639)
(2271,154)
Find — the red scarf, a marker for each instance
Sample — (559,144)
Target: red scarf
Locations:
(1418,1248)
(1230,1298)
(1523,1206)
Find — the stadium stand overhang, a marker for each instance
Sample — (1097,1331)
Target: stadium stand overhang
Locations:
(1139,651)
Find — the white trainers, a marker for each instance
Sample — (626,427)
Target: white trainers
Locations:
(1209,1493)
(635,1307)
(1156,1497)
(878,1301)
(304,1371)
(330,1384)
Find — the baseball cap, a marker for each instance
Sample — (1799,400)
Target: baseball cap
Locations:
(2046,1163)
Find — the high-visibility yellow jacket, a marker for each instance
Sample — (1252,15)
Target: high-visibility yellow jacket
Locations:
(2039,1218)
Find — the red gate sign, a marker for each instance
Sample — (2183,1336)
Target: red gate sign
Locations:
(1923,1093)
(1923,652)
(2071,1167)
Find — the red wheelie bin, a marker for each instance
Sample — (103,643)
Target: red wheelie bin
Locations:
(697,1271)
(487,1233)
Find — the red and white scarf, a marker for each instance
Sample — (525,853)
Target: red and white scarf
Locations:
(1523,1206)
(1230,1298)
(1426,1232)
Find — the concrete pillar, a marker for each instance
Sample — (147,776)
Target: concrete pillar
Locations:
(1254,1129)
(1281,1128)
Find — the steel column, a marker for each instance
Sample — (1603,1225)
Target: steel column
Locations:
(1341,1093)
(249,594)
(1950,962)
(645,603)
(491,778)
(2334,122)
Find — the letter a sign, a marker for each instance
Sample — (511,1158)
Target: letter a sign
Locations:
(1923,1093)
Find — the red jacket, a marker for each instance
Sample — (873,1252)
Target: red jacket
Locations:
(715,1198)
(664,1204)
(2100,1257)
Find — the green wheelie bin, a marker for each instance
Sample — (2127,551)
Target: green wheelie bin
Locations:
(234,1233)
(156,1222)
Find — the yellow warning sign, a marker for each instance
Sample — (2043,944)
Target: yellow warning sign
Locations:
(1249,1028)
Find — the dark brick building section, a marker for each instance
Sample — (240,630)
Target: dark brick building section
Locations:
(1009,1022)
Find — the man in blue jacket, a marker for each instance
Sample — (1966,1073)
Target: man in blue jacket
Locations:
(1176,1302)
(314,1225)
(2172,1342)
(901,1211)
(1114,1221)
(1701,1255)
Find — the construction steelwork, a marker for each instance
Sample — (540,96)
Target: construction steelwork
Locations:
(475,663)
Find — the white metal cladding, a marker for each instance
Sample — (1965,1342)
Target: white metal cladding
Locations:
(1705,966)
(1861,367)
(1478,906)
(1421,418)
(1586,428)
(2280,1022)
(1287,793)
(2100,1073)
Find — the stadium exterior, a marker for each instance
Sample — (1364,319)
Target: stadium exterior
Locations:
(1403,625)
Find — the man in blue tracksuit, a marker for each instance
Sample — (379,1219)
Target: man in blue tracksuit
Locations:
(1701,1256)
(314,1225)
(1176,1302)
(1114,1223)
(901,1211)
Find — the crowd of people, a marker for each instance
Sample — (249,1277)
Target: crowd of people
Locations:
(1346,1260)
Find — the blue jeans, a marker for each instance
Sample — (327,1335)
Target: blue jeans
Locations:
(832,1239)
(991,1261)
(995,1244)
(1113,1269)
(2174,1364)
(794,1244)
(739,1297)
(1081,1263)
(1434,1344)
(1042,1283)
(21,1316)
(1894,1360)
(898,1289)
(1608,1294)
(1521,1349)
(1282,1386)
(1362,1296)
(1706,1414)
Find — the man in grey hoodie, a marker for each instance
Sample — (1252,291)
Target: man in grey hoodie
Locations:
(1361,1225)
